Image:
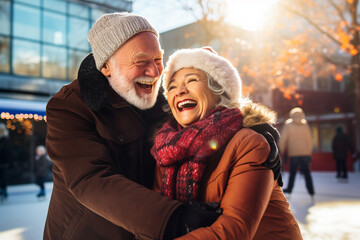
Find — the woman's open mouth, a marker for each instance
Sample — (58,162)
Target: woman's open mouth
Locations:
(186,104)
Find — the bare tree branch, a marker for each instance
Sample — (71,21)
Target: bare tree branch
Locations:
(186,7)
(332,61)
(340,13)
(312,23)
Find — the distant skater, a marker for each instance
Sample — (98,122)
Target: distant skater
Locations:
(296,140)
(341,145)
(4,160)
(41,168)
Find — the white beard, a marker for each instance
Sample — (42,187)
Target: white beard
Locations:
(126,89)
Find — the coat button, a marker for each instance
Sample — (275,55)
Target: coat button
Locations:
(121,138)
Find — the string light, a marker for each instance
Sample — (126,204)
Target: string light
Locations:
(36,117)
(23,119)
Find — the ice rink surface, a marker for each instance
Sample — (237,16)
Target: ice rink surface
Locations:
(333,215)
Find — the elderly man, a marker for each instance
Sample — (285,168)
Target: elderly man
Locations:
(99,131)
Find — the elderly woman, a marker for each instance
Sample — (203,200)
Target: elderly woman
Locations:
(207,152)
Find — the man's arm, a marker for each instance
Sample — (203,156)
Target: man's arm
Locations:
(273,161)
(89,174)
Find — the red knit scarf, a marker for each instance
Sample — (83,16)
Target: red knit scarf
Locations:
(184,152)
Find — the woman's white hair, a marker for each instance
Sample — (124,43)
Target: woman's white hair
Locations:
(224,99)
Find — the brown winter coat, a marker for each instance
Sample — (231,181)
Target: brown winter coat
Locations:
(101,164)
(254,206)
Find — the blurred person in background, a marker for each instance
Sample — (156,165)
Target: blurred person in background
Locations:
(41,169)
(341,145)
(296,140)
(4,160)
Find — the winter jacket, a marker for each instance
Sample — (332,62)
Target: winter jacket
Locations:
(4,152)
(341,145)
(103,169)
(41,166)
(254,206)
(296,137)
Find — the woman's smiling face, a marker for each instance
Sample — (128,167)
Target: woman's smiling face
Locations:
(189,96)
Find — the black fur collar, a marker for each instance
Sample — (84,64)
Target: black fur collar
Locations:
(94,86)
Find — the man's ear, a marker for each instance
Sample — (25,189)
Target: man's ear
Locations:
(106,69)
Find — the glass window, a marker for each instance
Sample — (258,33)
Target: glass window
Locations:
(55,5)
(315,138)
(335,85)
(54,62)
(96,14)
(327,133)
(54,28)
(5,17)
(26,22)
(306,83)
(26,58)
(78,10)
(288,82)
(322,83)
(75,58)
(4,54)
(78,31)
(32,2)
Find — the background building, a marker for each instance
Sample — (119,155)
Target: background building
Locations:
(42,43)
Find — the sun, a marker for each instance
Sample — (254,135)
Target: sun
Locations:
(248,14)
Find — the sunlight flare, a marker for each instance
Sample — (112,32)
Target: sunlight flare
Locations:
(248,14)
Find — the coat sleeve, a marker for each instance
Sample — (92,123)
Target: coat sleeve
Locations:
(247,194)
(309,137)
(283,138)
(87,168)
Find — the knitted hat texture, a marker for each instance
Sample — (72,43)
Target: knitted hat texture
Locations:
(219,68)
(112,30)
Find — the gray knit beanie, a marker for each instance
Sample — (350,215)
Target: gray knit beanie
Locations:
(112,30)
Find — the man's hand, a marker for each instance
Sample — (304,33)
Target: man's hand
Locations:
(274,160)
(191,216)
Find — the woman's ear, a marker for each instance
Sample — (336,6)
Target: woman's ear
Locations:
(105,70)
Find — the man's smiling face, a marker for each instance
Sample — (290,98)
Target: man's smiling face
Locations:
(134,70)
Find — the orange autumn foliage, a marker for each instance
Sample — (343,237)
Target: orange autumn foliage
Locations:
(338,77)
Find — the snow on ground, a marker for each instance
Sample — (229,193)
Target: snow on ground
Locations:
(334,215)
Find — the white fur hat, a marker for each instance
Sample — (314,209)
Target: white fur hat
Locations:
(219,68)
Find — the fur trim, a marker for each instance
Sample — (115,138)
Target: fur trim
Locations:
(219,68)
(93,84)
(255,114)
(260,119)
